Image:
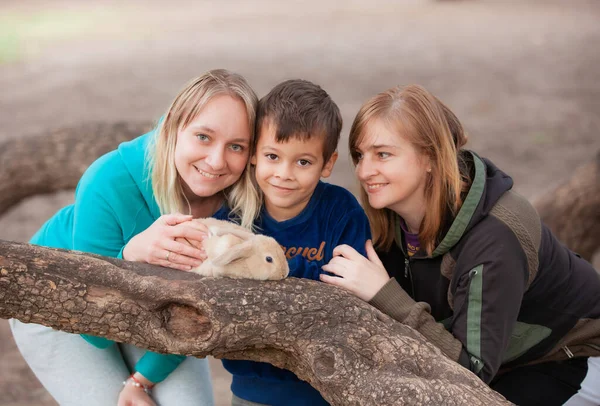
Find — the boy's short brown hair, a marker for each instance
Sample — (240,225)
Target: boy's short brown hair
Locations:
(299,108)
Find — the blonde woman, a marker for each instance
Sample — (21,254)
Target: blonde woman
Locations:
(462,258)
(136,203)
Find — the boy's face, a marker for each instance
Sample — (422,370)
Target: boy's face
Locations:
(288,172)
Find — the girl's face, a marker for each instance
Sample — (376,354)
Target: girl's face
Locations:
(391,170)
(212,151)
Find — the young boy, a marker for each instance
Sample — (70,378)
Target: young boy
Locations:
(298,129)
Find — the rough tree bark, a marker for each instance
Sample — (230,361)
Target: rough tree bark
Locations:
(572,209)
(56,160)
(349,351)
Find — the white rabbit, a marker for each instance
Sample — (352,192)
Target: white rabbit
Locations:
(235,252)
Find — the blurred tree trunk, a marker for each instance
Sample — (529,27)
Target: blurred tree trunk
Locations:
(349,351)
(56,160)
(572,210)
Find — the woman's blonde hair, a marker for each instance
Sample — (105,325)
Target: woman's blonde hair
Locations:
(436,133)
(166,183)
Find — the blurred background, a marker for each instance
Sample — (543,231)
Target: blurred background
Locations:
(523,76)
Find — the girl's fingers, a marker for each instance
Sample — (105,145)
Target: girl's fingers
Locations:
(347,251)
(333,280)
(371,254)
(338,266)
(331,268)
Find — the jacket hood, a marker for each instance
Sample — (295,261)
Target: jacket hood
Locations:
(488,184)
(135,154)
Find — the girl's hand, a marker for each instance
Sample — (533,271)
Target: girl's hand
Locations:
(172,241)
(362,276)
(132,396)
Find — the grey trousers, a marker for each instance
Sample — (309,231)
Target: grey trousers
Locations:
(77,373)
(589,394)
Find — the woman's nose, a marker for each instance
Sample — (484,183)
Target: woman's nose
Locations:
(365,169)
(216,158)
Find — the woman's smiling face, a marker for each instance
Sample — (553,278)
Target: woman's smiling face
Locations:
(212,151)
(390,169)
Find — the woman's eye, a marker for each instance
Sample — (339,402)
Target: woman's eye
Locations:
(236,148)
(202,137)
(357,156)
(383,155)
(303,162)
(271,157)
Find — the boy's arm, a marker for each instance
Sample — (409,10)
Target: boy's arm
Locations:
(352,229)
(301,267)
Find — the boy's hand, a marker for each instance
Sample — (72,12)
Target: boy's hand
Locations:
(362,276)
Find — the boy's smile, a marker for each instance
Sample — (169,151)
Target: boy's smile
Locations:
(288,172)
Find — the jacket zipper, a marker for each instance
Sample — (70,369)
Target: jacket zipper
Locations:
(567,351)
(408,275)
(594,347)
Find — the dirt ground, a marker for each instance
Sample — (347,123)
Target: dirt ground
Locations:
(523,76)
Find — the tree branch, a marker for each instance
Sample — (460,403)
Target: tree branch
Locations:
(56,160)
(572,209)
(349,351)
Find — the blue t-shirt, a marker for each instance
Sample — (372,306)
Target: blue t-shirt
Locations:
(332,217)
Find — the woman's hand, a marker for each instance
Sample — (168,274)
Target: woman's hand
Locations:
(172,241)
(132,395)
(362,276)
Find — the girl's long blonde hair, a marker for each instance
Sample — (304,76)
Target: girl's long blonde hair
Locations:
(436,133)
(166,183)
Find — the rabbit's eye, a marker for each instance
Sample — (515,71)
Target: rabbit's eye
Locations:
(269,259)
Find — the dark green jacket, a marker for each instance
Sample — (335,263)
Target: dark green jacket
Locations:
(499,289)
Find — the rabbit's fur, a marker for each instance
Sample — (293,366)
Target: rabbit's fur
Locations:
(235,252)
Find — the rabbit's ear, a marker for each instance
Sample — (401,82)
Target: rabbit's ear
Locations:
(235,252)
(240,232)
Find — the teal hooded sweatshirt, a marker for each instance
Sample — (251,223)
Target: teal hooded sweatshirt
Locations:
(113,203)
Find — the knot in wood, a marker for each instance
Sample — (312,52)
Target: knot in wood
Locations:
(324,364)
(187,322)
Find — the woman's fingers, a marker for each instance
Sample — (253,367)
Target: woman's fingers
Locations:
(183,253)
(187,231)
(175,218)
(167,264)
(193,243)
(198,225)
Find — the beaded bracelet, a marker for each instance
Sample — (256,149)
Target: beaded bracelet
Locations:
(134,382)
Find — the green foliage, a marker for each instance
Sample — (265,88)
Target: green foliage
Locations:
(26,33)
